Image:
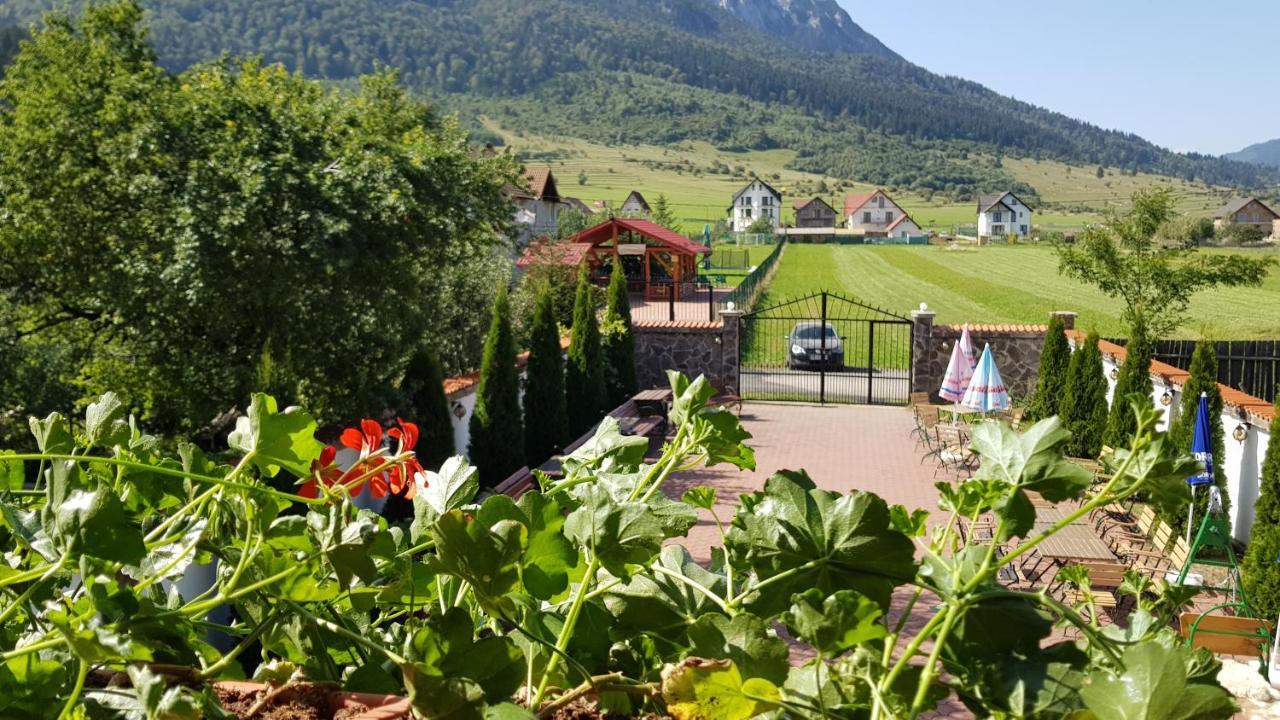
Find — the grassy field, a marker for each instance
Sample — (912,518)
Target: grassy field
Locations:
(683,173)
(997,284)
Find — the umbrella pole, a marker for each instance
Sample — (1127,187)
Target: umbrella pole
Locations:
(1191,513)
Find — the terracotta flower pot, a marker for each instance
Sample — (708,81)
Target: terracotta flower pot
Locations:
(378,707)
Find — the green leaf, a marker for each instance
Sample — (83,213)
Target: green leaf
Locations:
(52,434)
(171,560)
(607,450)
(1044,685)
(443,698)
(550,556)
(687,397)
(746,640)
(698,689)
(453,487)
(94,523)
(30,686)
(1154,686)
(447,647)
(912,523)
(104,422)
(1034,460)
(701,496)
(13,474)
(482,548)
(837,624)
(719,435)
(1162,469)
(658,603)
(617,533)
(818,539)
(278,440)
(507,711)
(991,629)
(161,702)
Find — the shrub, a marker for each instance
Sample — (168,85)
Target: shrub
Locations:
(423,389)
(497,438)
(1261,568)
(546,418)
(619,344)
(585,390)
(1204,379)
(1084,400)
(1051,379)
(1134,379)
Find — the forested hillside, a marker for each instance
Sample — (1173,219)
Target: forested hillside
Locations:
(553,61)
(1263,153)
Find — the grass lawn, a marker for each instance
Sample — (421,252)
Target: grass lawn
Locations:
(1002,285)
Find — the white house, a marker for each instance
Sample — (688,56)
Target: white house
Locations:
(537,203)
(757,200)
(877,214)
(1003,214)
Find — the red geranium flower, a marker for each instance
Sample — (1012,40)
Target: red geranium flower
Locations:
(322,470)
(366,440)
(402,475)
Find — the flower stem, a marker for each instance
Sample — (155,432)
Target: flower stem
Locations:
(566,632)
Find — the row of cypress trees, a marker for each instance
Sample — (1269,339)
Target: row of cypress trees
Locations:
(561,399)
(1072,386)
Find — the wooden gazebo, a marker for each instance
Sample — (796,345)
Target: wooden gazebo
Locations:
(657,261)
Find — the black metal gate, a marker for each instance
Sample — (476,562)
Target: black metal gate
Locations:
(825,348)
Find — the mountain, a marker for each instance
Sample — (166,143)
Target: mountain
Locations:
(741,74)
(819,25)
(1263,153)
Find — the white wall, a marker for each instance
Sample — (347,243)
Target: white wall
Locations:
(880,216)
(761,202)
(1013,219)
(462,425)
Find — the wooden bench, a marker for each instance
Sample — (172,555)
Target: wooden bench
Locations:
(652,402)
(517,484)
(1227,634)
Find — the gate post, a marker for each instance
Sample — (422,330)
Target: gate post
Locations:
(822,345)
(730,351)
(921,346)
(871,358)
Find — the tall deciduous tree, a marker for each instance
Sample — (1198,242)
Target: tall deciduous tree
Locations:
(1051,379)
(1203,379)
(423,388)
(1261,568)
(1125,259)
(585,389)
(1084,400)
(1134,379)
(497,438)
(546,417)
(619,344)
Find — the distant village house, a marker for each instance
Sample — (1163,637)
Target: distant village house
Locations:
(877,214)
(755,201)
(1002,215)
(1249,212)
(635,205)
(814,213)
(537,203)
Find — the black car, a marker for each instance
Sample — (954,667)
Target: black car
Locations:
(808,349)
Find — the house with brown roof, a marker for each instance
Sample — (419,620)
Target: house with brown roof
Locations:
(814,213)
(875,213)
(574,203)
(537,202)
(634,206)
(1247,211)
(1003,215)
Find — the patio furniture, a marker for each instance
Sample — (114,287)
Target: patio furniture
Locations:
(1229,634)
(652,402)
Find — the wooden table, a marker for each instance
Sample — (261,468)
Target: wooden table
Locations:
(1073,542)
(652,402)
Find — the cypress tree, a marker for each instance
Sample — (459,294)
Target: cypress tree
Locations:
(546,418)
(619,345)
(1204,379)
(1051,379)
(497,438)
(1261,567)
(1084,400)
(424,390)
(584,377)
(1134,379)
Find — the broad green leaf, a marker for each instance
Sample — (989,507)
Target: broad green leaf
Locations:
(820,539)
(550,556)
(13,474)
(1164,468)
(617,533)
(482,548)
(607,450)
(1032,460)
(52,434)
(171,560)
(350,546)
(658,603)
(160,701)
(687,397)
(443,698)
(104,422)
(910,523)
(699,689)
(701,496)
(278,440)
(746,640)
(31,685)
(373,677)
(1154,686)
(1044,685)
(719,436)
(447,647)
(815,685)
(94,523)
(836,624)
(991,629)
(507,711)
(453,487)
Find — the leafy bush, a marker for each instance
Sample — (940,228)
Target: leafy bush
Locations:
(619,346)
(1051,378)
(585,391)
(572,591)
(1084,400)
(1260,570)
(497,437)
(546,417)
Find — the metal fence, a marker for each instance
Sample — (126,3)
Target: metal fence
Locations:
(665,300)
(744,296)
(1251,366)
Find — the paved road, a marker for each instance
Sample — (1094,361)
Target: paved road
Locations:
(888,387)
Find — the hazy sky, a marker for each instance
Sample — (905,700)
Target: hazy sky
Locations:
(1186,75)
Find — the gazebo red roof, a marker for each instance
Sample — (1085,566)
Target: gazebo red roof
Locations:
(565,253)
(669,238)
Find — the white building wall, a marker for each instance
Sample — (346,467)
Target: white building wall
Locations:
(1021,215)
(880,216)
(760,202)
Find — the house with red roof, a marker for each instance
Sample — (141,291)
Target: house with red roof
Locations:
(537,201)
(875,213)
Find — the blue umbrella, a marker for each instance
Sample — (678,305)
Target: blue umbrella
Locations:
(1202,449)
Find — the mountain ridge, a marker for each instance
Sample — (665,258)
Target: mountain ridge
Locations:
(1266,153)
(819,25)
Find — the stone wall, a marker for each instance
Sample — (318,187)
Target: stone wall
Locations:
(1016,349)
(693,348)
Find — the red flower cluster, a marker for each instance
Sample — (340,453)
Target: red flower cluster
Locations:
(400,477)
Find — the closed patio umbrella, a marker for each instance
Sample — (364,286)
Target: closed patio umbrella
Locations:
(986,391)
(1202,449)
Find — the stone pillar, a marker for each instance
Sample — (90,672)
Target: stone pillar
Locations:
(921,344)
(730,333)
(1068,318)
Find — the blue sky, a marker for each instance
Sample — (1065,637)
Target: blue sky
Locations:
(1186,75)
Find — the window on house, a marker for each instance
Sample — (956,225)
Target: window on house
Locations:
(880,202)
(866,217)
(998,217)
(746,212)
(888,217)
(997,229)
(1024,229)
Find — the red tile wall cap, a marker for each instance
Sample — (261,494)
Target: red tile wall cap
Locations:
(461,383)
(996,328)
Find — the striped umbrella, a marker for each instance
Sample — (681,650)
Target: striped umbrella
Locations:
(986,390)
(959,373)
(966,347)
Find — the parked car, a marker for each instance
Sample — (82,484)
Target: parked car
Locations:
(808,349)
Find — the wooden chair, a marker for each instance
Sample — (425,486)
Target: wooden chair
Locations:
(1156,563)
(1135,534)
(927,417)
(1229,634)
(918,398)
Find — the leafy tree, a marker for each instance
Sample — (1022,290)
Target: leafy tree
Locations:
(1240,234)
(570,221)
(1260,570)
(1084,400)
(497,438)
(546,417)
(662,214)
(1124,259)
(1204,379)
(619,344)
(1134,379)
(762,226)
(423,388)
(1051,379)
(585,390)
